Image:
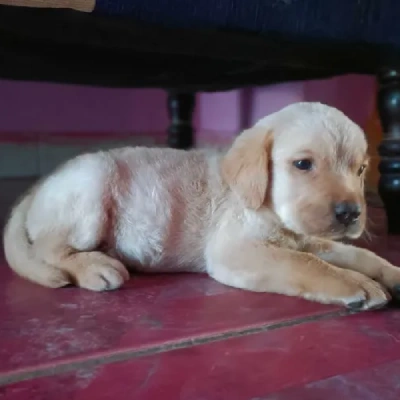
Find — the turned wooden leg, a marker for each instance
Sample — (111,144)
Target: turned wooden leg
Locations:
(389,149)
(180,108)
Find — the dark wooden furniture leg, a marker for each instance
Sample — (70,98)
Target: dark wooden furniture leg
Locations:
(389,149)
(180,108)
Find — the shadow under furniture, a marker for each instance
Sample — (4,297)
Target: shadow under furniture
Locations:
(205,45)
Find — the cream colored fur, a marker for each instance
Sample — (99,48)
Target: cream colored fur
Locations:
(246,217)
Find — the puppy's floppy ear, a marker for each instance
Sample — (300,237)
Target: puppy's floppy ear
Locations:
(245,166)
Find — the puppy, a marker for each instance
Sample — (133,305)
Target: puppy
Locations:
(263,216)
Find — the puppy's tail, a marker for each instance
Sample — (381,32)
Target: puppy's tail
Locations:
(20,253)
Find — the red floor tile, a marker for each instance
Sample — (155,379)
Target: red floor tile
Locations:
(377,383)
(315,356)
(41,326)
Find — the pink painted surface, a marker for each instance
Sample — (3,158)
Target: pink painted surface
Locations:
(42,107)
(48,108)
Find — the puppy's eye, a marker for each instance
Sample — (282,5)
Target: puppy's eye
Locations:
(361,170)
(304,165)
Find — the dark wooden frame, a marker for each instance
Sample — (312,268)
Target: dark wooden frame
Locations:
(389,148)
(180,109)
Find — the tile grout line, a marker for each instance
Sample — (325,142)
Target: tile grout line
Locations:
(127,355)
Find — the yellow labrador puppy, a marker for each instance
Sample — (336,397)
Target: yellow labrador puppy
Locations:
(263,216)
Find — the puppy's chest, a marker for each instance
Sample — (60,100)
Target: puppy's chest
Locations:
(265,229)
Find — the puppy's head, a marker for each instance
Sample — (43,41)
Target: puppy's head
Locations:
(307,163)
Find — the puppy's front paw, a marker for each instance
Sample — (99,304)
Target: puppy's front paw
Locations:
(351,289)
(390,277)
(100,277)
(363,292)
(380,270)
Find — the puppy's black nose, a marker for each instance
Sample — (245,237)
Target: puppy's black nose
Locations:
(347,213)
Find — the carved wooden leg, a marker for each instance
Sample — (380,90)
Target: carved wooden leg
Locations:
(180,108)
(389,149)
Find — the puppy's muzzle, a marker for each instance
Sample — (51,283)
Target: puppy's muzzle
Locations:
(347,213)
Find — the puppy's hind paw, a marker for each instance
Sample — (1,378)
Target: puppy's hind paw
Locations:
(101,277)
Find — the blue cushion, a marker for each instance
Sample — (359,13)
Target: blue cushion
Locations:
(356,21)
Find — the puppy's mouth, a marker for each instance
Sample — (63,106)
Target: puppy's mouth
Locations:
(337,232)
(354,234)
(334,231)
(325,226)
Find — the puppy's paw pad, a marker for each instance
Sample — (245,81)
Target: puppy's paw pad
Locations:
(102,277)
(396,291)
(356,305)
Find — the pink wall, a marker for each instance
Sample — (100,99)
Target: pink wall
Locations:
(47,108)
